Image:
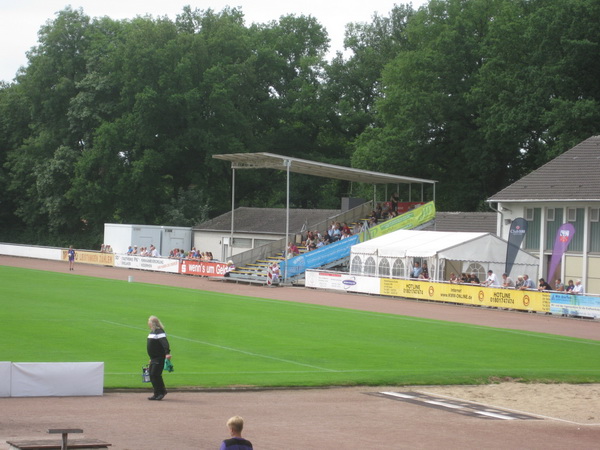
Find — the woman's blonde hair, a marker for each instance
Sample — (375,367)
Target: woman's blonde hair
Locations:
(155,323)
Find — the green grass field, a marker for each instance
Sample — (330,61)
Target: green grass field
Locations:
(223,340)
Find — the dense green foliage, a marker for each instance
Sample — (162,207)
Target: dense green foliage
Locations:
(220,339)
(117,121)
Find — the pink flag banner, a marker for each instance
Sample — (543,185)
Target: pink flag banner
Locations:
(563,237)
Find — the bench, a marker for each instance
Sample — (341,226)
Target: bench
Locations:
(63,444)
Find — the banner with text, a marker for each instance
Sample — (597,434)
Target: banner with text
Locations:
(147,263)
(87,257)
(467,294)
(575,305)
(203,269)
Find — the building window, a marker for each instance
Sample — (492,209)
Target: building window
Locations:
(398,268)
(384,268)
(532,237)
(477,269)
(356,266)
(370,266)
(576,244)
(552,227)
(594,230)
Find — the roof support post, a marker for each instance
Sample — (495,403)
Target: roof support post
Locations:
(232,210)
(287,163)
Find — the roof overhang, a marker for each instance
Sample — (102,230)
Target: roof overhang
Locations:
(296,165)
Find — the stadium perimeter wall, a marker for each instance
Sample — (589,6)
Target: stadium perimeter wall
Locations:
(474,295)
(529,300)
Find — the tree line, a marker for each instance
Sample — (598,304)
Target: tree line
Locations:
(117,120)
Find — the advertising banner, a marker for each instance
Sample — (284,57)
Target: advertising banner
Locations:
(203,269)
(411,219)
(147,263)
(318,257)
(517,231)
(87,257)
(575,305)
(563,237)
(467,294)
(341,282)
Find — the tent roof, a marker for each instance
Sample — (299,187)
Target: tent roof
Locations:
(273,161)
(457,246)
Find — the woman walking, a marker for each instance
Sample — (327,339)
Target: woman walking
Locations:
(158,351)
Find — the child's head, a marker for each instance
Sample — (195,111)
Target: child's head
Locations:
(236,424)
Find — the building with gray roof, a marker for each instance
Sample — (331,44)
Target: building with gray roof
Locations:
(564,190)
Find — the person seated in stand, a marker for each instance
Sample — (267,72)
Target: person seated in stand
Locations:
(559,285)
(230,267)
(578,289)
(275,271)
(519,282)
(543,285)
(379,211)
(416,271)
(464,278)
(453,278)
(507,281)
(135,250)
(373,218)
(474,279)
(425,272)
(130,250)
(570,286)
(527,283)
(292,250)
(311,241)
(491,280)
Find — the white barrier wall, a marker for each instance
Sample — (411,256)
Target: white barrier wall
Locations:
(5,367)
(147,263)
(51,379)
(27,251)
(323,279)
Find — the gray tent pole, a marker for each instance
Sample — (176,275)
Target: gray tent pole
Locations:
(287,164)
(232,211)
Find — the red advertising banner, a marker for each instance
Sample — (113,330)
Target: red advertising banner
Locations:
(203,269)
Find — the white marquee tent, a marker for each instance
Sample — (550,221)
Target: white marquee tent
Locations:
(444,252)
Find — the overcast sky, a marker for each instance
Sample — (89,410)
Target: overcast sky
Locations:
(20,20)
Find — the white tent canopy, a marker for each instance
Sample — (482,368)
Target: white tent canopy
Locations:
(394,253)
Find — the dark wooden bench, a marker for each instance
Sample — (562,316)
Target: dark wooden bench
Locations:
(63,444)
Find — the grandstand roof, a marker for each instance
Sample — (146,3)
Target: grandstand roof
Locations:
(319,169)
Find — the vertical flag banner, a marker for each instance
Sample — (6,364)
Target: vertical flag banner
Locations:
(517,231)
(563,237)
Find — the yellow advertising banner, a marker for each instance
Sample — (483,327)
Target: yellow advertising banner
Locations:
(86,257)
(408,220)
(467,294)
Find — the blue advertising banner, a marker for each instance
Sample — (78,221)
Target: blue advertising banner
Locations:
(318,257)
(575,305)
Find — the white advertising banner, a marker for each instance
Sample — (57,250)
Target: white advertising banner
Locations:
(5,368)
(342,282)
(57,379)
(147,263)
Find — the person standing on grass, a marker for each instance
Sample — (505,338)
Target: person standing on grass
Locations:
(71,257)
(158,351)
(236,442)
